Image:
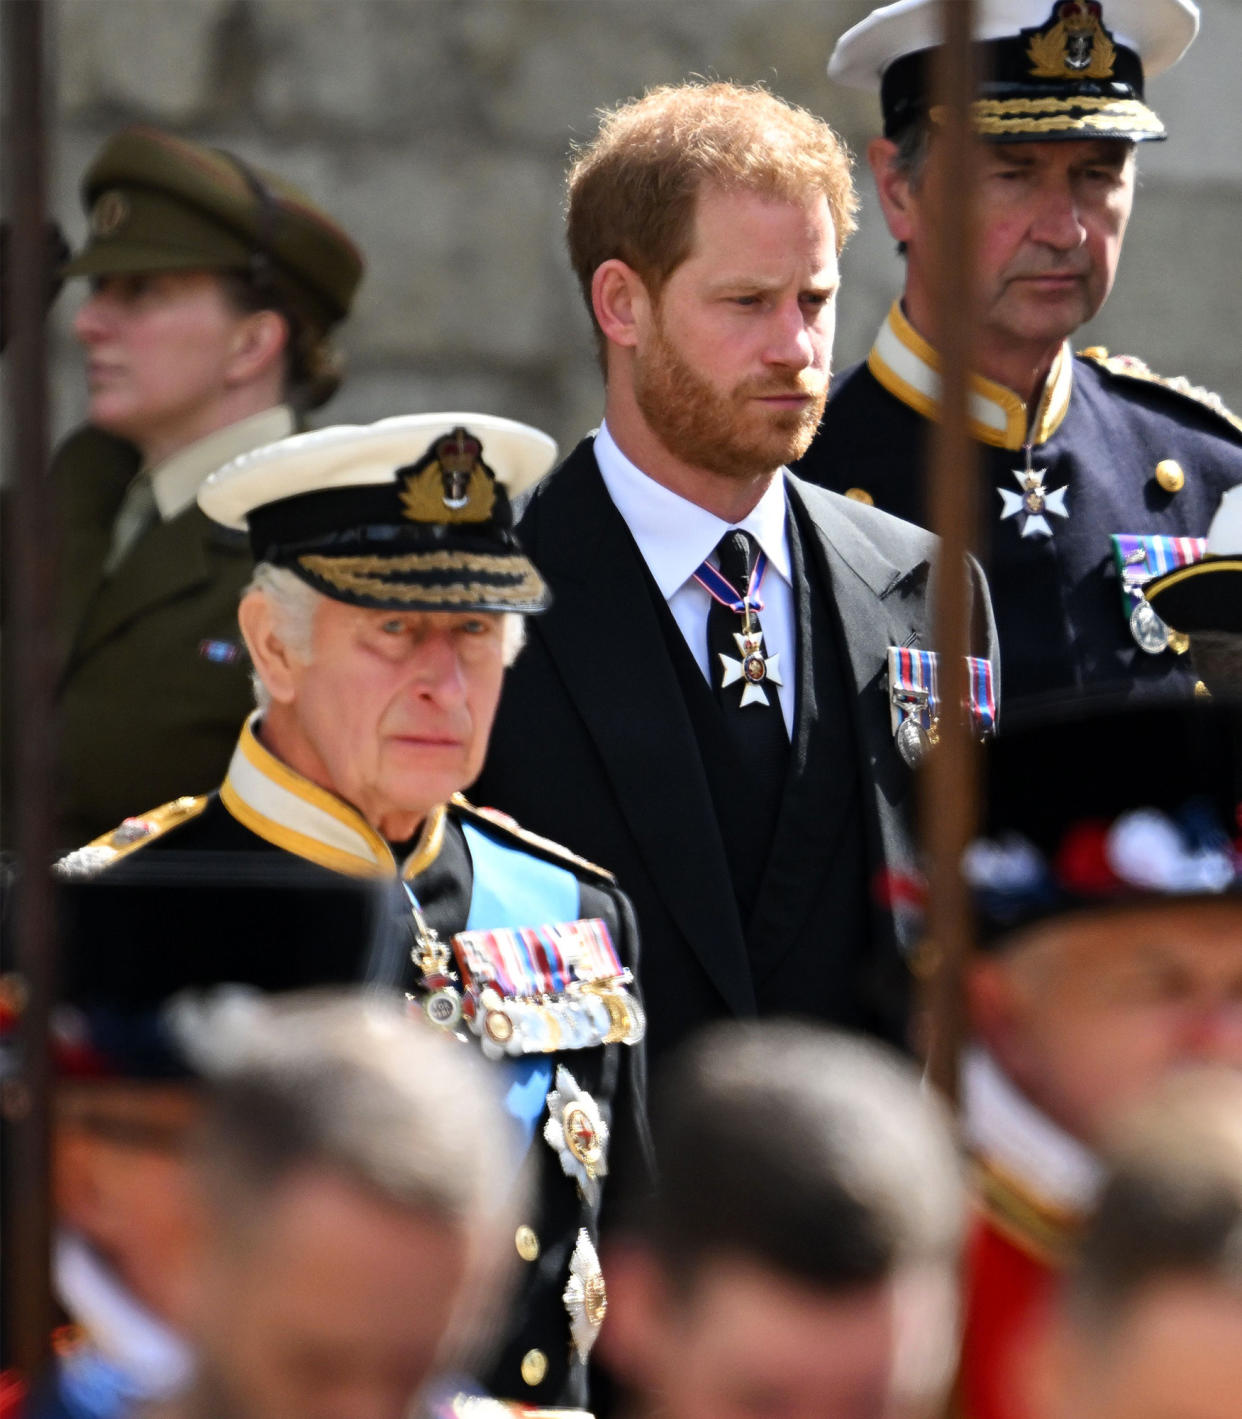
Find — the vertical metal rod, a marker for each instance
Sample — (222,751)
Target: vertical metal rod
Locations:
(31,585)
(949,802)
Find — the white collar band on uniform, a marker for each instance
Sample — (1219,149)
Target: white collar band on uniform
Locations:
(909,368)
(125,1333)
(176,481)
(674,535)
(292,813)
(1002,1126)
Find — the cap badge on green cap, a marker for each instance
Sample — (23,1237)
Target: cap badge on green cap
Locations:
(1073,44)
(110,213)
(451,483)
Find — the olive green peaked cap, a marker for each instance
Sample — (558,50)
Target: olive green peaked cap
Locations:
(160,203)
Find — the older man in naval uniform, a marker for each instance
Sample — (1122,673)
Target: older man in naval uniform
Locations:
(387,600)
(1096,473)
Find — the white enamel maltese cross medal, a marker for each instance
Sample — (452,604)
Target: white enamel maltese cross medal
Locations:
(1033,502)
(753,668)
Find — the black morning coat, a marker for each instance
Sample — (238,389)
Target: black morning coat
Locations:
(605,739)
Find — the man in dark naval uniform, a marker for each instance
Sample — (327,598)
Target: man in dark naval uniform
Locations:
(214,286)
(710,682)
(386,602)
(1096,473)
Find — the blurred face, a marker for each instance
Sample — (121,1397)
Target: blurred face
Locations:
(1176,1353)
(1051,221)
(732,374)
(393,711)
(160,352)
(1086,1014)
(332,1305)
(121,1183)
(747,1342)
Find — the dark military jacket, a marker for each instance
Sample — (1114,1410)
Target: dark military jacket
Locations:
(288,857)
(154,680)
(1107,432)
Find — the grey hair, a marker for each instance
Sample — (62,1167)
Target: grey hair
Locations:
(293,604)
(1171,1206)
(913,144)
(351,1085)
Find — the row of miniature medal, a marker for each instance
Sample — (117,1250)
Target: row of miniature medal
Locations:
(530,989)
(914,699)
(1138,560)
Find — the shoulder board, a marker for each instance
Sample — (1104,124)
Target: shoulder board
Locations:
(1131,367)
(132,834)
(497,819)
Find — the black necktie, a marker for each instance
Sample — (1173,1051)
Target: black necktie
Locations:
(742,671)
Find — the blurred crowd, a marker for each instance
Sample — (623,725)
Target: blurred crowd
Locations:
(491,923)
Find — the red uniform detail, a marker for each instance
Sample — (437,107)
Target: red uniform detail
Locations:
(1008,1290)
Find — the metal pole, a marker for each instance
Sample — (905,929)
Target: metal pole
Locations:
(31,586)
(950,785)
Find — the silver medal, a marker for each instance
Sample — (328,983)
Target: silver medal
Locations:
(913,742)
(1149,631)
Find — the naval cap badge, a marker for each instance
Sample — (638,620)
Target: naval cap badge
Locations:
(1073,44)
(450,483)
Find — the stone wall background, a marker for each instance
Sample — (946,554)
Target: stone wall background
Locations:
(437,131)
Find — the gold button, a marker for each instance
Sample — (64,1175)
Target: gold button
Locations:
(1170,476)
(1201,691)
(1179,641)
(860,495)
(1095,352)
(534,1367)
(527,1243)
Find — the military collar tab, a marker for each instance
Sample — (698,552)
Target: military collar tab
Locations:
(909,368)
(1004,1129)
(176,481)
(292,813)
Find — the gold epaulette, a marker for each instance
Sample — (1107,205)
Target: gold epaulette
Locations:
(511,825)
(1134,368)
(132,834)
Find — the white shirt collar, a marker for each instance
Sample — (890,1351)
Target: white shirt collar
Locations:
(1002,1125)
(675,535)
(176,481)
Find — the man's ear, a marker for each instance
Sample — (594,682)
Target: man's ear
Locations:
(892,187)
(258,345)
(621,303)
(274,663)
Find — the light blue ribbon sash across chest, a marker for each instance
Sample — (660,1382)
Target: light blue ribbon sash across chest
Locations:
(512,888)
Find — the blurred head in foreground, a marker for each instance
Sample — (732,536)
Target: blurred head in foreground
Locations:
(799,1258)
(354,1176)
(1151,1322)
(1106,894)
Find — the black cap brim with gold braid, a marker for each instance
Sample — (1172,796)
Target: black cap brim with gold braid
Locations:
(1049,69)
(409,514)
